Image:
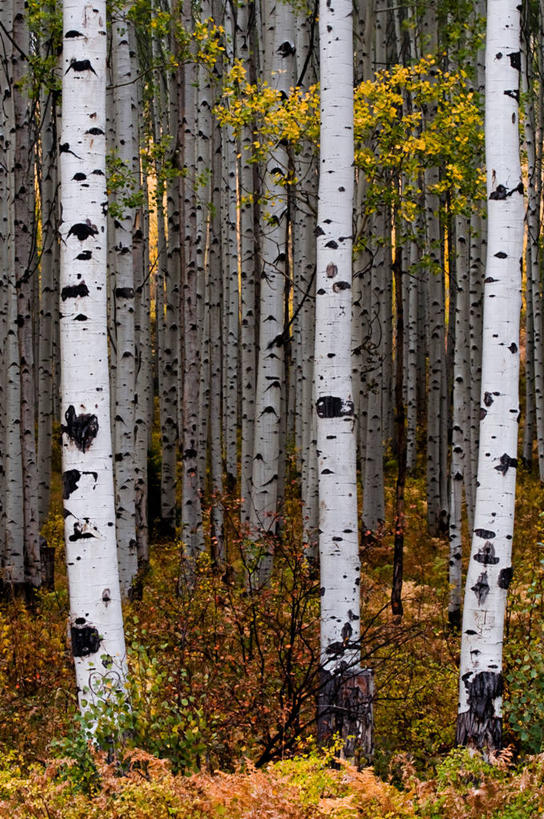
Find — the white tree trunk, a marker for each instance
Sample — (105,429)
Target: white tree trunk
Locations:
(490,570)
(122,260)
(249,264)
(25,277)
(336,448)
(278,35)
(96,622)
(460,420)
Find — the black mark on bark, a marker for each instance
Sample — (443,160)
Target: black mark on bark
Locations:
(505,577)
(512,92)
(81,429)
(124,292)
(70,480)
(72,291)
(479,726)
(487,534)
(85,640)
(506,463)
(82,230)
(500,193)
(339,286)
(330,406)
(486,555)
(80,533)
(515,60)
(481,588)
(80,65)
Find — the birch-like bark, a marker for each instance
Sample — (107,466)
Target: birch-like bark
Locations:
(373,481)
(191,513)
(412,345)
(49,301)
(125,340)
(304,261)
(460,419)
(230,255)
(214,306)
(344,703)
(25,272)
(96,624)
(13,556)
(279,24)
(490,570)
(143,419)
(535,362)
(249,265)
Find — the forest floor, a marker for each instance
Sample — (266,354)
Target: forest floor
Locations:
(223,690)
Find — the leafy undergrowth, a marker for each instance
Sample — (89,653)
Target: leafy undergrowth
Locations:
(304,787)
(223,679)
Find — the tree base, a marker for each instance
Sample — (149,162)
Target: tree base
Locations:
(483,734)
(345,708)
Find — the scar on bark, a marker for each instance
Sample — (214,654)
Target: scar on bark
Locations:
(82,230)
(479,726)
(505,577)
(85,638)
(80,65)
(80,533)
(486,555)
(72,291)
(331,406)
(81,429)
(481,588)
(501,192)
(506,463)
(70,480)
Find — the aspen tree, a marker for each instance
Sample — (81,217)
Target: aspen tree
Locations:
(230,255)
(304,204)
(249,261)
(214,307)
(460,420)
(25,278)
(279,47)
(142,327)
(345,696)
(96,624)
(489,572)
(49,306)
(13,557)
(122,260)
(172,281)
(191,513)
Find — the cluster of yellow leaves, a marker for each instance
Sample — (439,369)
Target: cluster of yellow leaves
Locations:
(406,119)
(272,117)
(410,118)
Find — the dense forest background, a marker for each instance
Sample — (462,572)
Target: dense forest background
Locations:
(212,145)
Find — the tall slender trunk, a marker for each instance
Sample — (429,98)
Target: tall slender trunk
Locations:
(490,570)
(345,700)
(96,623)
(191,513)
(125,339)
(248,278)
(279,47)
(25,277)
(400,437)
